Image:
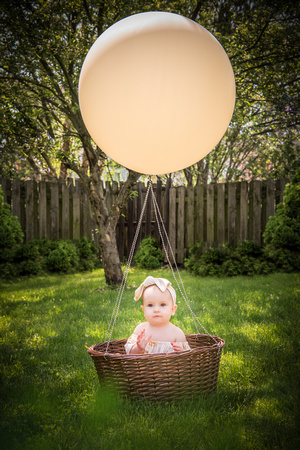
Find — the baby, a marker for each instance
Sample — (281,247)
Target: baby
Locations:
(158,334)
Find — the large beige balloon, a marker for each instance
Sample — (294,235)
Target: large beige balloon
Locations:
(156,92)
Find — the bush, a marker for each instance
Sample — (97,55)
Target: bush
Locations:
(30,267)
(149,255)
(283,229)
(282,259)
(11,235)
(7,270)
(63,258)
(28,251)
(245,259)
(88,254)
(205,262)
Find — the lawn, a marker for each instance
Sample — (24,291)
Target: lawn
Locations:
(50,394)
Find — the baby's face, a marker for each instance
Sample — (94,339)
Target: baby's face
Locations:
(157,306)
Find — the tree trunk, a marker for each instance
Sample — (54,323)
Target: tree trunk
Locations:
(110,255)
(107,222)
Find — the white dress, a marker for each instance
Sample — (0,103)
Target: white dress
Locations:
(155,346)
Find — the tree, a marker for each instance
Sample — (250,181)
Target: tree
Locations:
(262,41)
(43,46)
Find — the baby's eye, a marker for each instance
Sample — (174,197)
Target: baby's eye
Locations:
(163,304)
(150,305)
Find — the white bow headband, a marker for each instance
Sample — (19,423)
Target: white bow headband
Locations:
(161,283)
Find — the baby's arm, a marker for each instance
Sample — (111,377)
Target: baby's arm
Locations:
(141,343)
(180,337)
(176,347)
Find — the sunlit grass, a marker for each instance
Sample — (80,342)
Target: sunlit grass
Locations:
(50,395)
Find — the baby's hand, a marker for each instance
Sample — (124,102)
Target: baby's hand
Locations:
(176,347)
(142,341)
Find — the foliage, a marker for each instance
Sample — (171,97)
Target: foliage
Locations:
(11,235)
(246,259)
(88,254)
(63,258)
(42,255)
(50,393)
(149,254)
(43,47)
(283,229)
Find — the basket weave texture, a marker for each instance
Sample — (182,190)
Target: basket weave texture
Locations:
(161,376)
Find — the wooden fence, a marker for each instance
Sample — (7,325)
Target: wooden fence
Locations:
(214,213)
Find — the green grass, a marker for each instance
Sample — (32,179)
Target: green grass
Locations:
(51,398)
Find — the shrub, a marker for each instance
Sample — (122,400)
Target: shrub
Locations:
(7,270)
(245,259)
(282,258)
(88,254)
(85,247)
(205,262)
(283,229)
(194,254)
(149,255)
(28,251)
(30,267)
(11,235)
(45,246)
(232,267)
(248,248)
(63,258)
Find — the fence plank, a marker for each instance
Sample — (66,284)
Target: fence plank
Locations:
(200,213)
(16,199)
(139,206)
(243,235)
(54,210)
(256,212)
(172,219)
(6,188)
(231,213)
(180,224)
(65,233)
(270,197)
(280,186)
(29,211)
(43,209)
(221,213)
(149,214)
(190,221)
(130,231)
(85,214)
(210,215)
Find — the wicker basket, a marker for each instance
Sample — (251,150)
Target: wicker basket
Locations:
(167,377)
